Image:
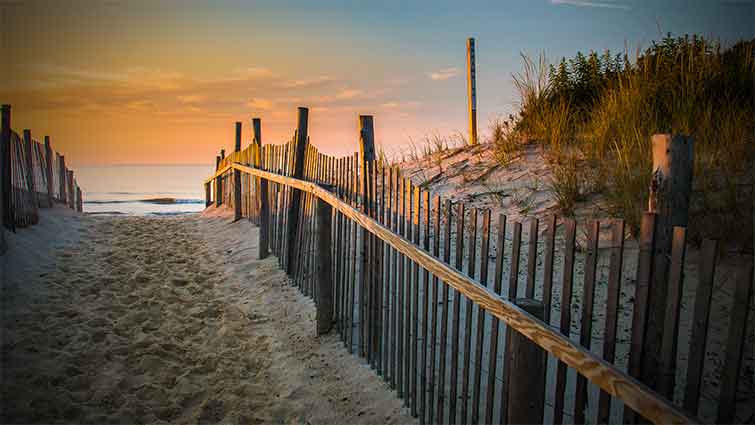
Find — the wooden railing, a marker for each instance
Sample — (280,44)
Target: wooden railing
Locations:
(365,243)
(32,176)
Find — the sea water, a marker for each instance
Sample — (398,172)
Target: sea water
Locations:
(143,189)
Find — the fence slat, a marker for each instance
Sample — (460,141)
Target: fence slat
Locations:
(642,292)
(667,366)
(395,257)
(532,259)
(588,303)
(471,265)
(416,195)
(444,319)
(495,324)
(455,317)
(400,307)
(727,400)
(612,303)
(570,232)
(484,253)
(516,245)
(434,323)
(425,313)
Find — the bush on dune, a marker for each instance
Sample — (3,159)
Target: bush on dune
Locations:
(608,108)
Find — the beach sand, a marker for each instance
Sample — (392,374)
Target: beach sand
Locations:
(168,320)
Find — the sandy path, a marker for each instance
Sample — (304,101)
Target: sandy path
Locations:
(172,320)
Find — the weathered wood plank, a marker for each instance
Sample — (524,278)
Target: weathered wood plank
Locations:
(588,304)
(727,400)
(434,323)
(532,258)
(570,232)
(667,366)
(516,244)
(495,325)
(471,268)
(455,317)
(701,316)
(484,253)
(444,318)
(612,314)
(641,295)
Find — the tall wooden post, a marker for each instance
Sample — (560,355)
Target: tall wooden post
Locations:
(63,176)
(257,141)
(218,184)
(237,178)
(48,170)
(366,167)
(5,176)
(324,268)
(298,172)
(526,395)
(670,189)
(472,91)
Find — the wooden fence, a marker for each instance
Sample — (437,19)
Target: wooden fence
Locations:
(32,176)
(404,277)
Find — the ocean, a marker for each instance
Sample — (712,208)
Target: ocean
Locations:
(143,189)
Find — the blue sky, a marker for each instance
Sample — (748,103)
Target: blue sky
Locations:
(107,79)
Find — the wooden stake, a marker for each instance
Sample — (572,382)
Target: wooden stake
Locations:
(673,163)
(324,266)
(472,91)
(48,170)
(298,172)
(5,176)
(526,395)
(237,177)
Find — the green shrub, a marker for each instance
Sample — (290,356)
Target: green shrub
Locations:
(608,109)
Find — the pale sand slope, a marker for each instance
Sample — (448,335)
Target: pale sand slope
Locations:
(131,320)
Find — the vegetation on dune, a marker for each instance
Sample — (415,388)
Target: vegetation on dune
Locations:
(596,113)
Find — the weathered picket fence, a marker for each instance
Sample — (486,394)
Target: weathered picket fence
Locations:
(32,176)
(405,279)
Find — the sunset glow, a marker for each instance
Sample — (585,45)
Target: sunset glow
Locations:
(162,82)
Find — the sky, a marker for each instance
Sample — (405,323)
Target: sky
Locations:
(163,82)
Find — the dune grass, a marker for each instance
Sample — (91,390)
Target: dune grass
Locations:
(606,109)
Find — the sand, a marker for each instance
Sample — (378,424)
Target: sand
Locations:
(168,320)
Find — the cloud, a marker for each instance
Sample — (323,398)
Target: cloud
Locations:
(606,4)
(397,105)
(348,93)
(444,74)
(307,82)
(253,73)
(260,104)
(191,98)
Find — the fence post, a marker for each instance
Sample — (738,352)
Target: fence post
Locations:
(5,216)
(218,186)
(670,189)
(367,155)
(30,184)
(48,170)
(79,200)
(71,200)
(324,271)
(257,140)
(237,178)
(63,189)
(298,172)
(526,389)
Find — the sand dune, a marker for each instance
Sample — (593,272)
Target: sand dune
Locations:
(172,320)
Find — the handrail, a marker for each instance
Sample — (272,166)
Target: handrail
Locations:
(608,377)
